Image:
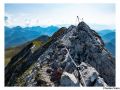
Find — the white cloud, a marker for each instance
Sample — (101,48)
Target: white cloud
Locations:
(61,15)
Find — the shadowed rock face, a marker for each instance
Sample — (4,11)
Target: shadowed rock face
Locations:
(18,64)
(87,50)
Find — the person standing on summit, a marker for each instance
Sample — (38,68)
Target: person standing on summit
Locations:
(79,19)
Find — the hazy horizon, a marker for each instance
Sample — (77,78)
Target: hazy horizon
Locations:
(96,15)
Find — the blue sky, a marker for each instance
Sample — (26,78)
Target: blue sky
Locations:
(58,14)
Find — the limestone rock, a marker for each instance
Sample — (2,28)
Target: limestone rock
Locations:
(84,46)
(68,79)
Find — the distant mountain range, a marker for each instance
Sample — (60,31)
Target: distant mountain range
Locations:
(109,39)
(17,35)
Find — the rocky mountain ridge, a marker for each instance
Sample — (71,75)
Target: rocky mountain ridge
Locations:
(74,56)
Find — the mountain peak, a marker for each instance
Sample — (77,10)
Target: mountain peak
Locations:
(82,25)
(73,56)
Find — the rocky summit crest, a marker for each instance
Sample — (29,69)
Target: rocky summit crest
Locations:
(73,56)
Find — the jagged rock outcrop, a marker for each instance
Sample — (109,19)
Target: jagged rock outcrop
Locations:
(90,77)
(72,57)
(68,79)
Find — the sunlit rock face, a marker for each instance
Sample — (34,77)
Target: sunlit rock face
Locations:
(56,63)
